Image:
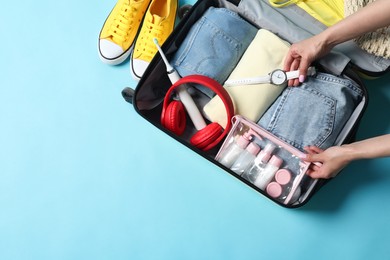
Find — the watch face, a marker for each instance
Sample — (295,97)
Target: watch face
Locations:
(278,77)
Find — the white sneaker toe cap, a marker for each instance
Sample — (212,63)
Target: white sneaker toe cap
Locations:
(109,51)
(138,68)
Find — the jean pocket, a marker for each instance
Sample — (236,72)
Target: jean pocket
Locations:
(301,116)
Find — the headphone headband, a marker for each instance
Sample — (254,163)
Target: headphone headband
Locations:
(215,87)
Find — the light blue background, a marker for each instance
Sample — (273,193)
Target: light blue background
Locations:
(83,176)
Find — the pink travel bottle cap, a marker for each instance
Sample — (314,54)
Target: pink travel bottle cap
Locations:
(263,156)
(283,176)
(274,189)
(266,153)
(275,161)
(253,148)
(243,141)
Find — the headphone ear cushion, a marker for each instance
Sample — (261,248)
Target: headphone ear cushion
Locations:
(175,117)
(206,136)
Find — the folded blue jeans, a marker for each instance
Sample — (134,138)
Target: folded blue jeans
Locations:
(214,45)
(313,113)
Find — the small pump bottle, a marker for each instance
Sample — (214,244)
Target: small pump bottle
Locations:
(231,153)
(246,158)
(259,163)
(268,173)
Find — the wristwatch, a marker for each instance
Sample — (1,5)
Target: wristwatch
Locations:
(277,77)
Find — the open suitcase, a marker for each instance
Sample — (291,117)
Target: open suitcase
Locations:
(253,151)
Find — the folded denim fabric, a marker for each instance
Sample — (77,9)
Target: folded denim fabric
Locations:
(214,45)
(265,54)
(313,113)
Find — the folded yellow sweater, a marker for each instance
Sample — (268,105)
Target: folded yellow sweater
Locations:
(265,54)
(328,12)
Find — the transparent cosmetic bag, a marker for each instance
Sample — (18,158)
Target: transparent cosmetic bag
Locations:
(266,163)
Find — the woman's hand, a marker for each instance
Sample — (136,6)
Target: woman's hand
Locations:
(373,16)
(302,54)
(333,160)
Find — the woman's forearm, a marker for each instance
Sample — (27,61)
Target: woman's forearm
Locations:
(335,158)
(369,148)
(373,16)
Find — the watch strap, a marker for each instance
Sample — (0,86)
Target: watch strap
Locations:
(311,71)
(247,81)
(292,74)
(266,79)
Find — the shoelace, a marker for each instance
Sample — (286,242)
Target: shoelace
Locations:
(146,47)
(122,24)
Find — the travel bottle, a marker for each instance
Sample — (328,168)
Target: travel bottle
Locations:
(231,153)
(283,178)
(274,189)
(286,192)
(266,175)
(277,191)
(259,163)
(245,158)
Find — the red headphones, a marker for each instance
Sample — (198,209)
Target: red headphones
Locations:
(174,119)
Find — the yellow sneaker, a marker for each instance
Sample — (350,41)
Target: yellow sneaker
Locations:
(158,23)
(120,30)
